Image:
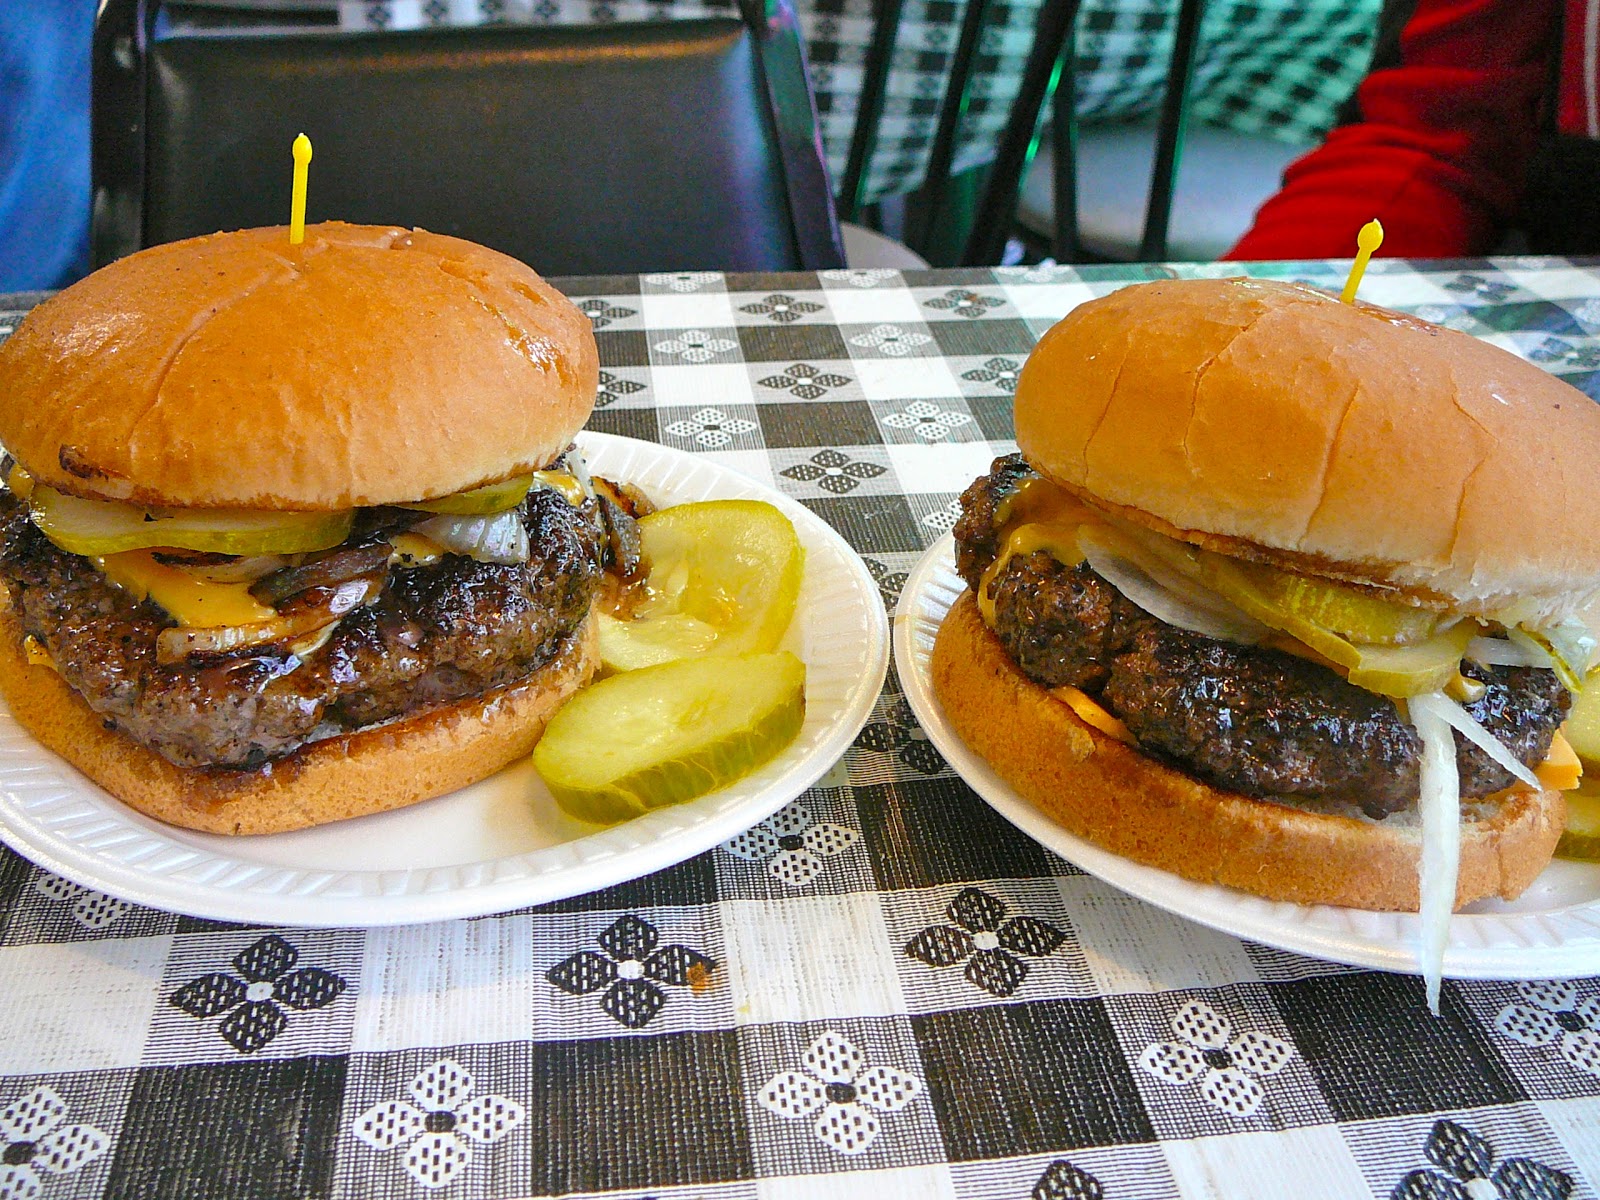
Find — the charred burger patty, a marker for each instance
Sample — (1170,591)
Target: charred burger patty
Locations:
(1250,719)
(435,633)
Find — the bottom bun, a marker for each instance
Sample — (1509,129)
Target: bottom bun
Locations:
(372,770)
(1108,793)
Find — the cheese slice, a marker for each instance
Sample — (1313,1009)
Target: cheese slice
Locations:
(20,482)
(1090,713)
(36,653)
(188,599)
(564,482)
(414,550)
(1058,539)
(1561,768)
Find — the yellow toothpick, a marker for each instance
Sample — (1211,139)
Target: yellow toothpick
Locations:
(1368,240)
(297,201)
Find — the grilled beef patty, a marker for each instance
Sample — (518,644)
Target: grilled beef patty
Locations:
(1250,719)
(436,634)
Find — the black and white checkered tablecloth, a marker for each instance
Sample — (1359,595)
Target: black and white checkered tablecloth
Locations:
(882,991)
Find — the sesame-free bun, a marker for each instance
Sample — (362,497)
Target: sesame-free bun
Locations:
(1269,420)
(368,365)
(1110,794)
(385,767)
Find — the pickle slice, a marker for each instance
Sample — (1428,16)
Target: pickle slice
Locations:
(490,498)
(1569,645)
(1582,726)
(1581,838)
(665,734)
(629,645)
(1353,614)
(1298,601)
(1393,669)
(1402,671)
(730,567)
(98,527)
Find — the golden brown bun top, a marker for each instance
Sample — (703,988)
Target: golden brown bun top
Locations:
(1272,420)
(368,365)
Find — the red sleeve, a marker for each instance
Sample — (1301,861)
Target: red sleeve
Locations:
(1439,152)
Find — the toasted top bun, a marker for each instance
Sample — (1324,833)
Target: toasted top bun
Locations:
(1270,420)
(368,365)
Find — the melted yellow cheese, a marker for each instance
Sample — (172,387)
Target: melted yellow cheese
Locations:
(20,482)
(1561,768)
(1090,713)
(414,550)
(564,482)
(1059,540)
(36,654)
(1037,516)
(188,599)
(1039,500)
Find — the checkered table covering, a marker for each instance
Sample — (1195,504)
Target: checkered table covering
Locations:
(1278,68)
(882,991)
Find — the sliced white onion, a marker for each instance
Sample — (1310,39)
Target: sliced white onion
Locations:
(243,569)
(179,643)
(1439,804)
(1167,595)
(580,471)
(1458,718)
(1498,652)
(496,538)
(1569,649)
(1172,577)
(1573,642)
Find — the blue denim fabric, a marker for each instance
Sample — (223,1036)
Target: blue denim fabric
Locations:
(44,142)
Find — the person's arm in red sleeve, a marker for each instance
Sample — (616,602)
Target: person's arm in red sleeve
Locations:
(1440,147)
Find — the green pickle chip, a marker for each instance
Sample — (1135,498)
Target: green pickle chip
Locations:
(1399,653)
(724,579)
(97,527)
(1582,726)
(1581,837)
(661,735)
(490,498)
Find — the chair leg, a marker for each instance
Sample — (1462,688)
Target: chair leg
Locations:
(1066,245)
(869,107)
(998,209)
(1169,134)
(952,111)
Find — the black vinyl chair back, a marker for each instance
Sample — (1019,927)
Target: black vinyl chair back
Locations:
(591,150)
(1050,67)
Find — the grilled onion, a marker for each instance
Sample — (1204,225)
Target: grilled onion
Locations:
(180,643)
(325,570)
(500,538)
(1163,592)
(222,568)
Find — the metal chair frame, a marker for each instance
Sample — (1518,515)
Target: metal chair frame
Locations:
(1050,68)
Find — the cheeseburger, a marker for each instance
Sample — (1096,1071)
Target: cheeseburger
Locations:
(295,533)
(1284,594)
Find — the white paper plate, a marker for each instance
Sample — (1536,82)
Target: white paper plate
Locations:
(1552,929)
(499,844)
